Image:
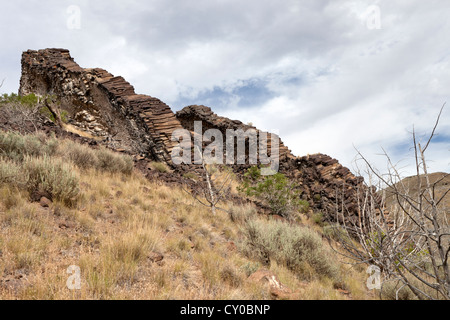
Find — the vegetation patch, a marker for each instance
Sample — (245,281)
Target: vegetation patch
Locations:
(298,248)
(277,191)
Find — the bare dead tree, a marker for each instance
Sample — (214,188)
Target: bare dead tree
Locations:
(403,229)
(212,190)
(20,115)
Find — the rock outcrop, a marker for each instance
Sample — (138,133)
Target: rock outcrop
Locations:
(101,105)
(210,120)
(107,109)
(327,185)
(324,182)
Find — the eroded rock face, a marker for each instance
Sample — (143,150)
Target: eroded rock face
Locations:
(188,115)
(106,108)
(324,183)
(101,105)
(327,185)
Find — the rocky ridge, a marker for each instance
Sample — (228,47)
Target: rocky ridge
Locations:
(107,109)
(101,105)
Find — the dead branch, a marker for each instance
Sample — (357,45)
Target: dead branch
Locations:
(409,240)
(212,195)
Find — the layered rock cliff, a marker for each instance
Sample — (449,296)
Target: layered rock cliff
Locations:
(324,182)
(106,108)
(101,105)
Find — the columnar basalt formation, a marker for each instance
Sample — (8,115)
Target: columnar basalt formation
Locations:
(107,109)
(101,105)
(329,186)
(188,115)
(325,183)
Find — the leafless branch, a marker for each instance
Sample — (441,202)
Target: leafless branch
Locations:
(212,195)
(407,240)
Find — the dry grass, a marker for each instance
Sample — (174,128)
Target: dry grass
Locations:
(159,166)
(114,231)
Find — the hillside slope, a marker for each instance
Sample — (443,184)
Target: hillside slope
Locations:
(136,239)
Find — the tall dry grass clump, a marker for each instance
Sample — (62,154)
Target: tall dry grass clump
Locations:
(101,159)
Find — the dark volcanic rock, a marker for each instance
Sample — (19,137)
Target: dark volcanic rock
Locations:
(101,105)
(104,109)
(324,183)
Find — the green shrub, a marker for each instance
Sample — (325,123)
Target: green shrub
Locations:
(281,195)
(298,248)
(317,217)
(250,267)
(63,114)
(16,146)
(27,100)
(190,175)
(52,176)
(41,164)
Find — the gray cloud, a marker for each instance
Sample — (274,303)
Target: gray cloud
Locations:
(310,69)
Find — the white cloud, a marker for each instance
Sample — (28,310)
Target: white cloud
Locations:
(332,81)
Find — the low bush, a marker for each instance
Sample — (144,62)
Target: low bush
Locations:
(82,156)
(317,217)
(241,214)
(336,232)
(44,165)
(298,248)
(191,175)
(16,146)
(52,176)
(12,174)
(10,198)
(160,167)
(277,191)
(395,290)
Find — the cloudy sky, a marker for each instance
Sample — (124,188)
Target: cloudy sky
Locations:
(329,76)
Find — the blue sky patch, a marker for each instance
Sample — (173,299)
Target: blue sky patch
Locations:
(249,93)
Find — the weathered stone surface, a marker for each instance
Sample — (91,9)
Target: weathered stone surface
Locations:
(324,183)
(104,108)
(188,115)
(44,202)
(100,104)
(155,257)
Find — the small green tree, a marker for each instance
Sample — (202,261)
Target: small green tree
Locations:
(280,194)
